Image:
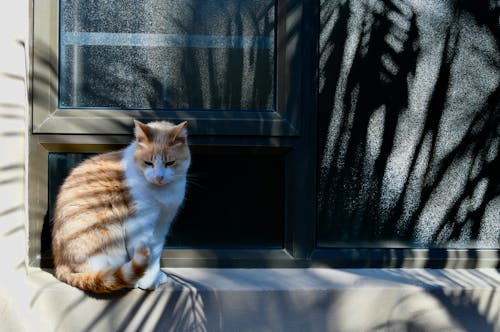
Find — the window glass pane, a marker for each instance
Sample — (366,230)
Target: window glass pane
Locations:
(167,54)
(233,200)
(408,124)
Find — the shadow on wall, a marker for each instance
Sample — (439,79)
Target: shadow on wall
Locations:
(12,121)
(409,123)
(198,55)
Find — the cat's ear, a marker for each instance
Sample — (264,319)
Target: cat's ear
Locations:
(141,133)
(179,133)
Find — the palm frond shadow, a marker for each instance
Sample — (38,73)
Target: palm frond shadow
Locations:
(363,107)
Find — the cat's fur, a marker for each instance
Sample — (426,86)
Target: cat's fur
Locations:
(114,210)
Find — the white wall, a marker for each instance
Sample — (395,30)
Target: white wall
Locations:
(13,108)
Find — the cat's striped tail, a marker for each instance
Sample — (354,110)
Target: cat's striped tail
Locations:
(107,281)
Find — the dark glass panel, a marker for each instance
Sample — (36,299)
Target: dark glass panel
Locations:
(233,200)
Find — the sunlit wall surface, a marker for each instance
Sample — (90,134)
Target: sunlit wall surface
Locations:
(409,123)
(167,54)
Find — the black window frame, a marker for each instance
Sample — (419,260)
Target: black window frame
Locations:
(48,118)
(284,132)
(290,132)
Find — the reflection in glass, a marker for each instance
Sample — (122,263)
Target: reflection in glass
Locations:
(408,124)
(167,54)
(216,213)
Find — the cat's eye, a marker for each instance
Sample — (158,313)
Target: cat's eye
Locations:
(169,163)
(148,163)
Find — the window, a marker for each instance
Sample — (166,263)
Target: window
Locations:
(216,211)
(225,66)
(349,123)
(98,65)
(408,144)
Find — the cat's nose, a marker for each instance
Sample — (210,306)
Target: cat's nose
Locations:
(159,178)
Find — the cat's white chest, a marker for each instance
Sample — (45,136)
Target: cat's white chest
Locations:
(170,199)
(165,200)
(170,195)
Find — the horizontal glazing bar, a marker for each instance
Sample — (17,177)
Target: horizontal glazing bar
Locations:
(165,40)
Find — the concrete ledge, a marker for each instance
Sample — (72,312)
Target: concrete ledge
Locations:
(269,300)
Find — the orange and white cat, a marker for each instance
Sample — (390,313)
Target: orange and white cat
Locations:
(114,211)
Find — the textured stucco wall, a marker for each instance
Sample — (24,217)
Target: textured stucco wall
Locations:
(409,123)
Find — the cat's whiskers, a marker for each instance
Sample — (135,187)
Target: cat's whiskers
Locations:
(192,182)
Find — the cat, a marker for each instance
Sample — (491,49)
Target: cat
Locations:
(114,210)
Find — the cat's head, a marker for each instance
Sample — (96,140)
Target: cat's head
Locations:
(162,151)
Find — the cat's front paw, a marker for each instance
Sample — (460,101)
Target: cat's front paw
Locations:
(148,283)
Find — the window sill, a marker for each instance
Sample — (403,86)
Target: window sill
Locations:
(285,299)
